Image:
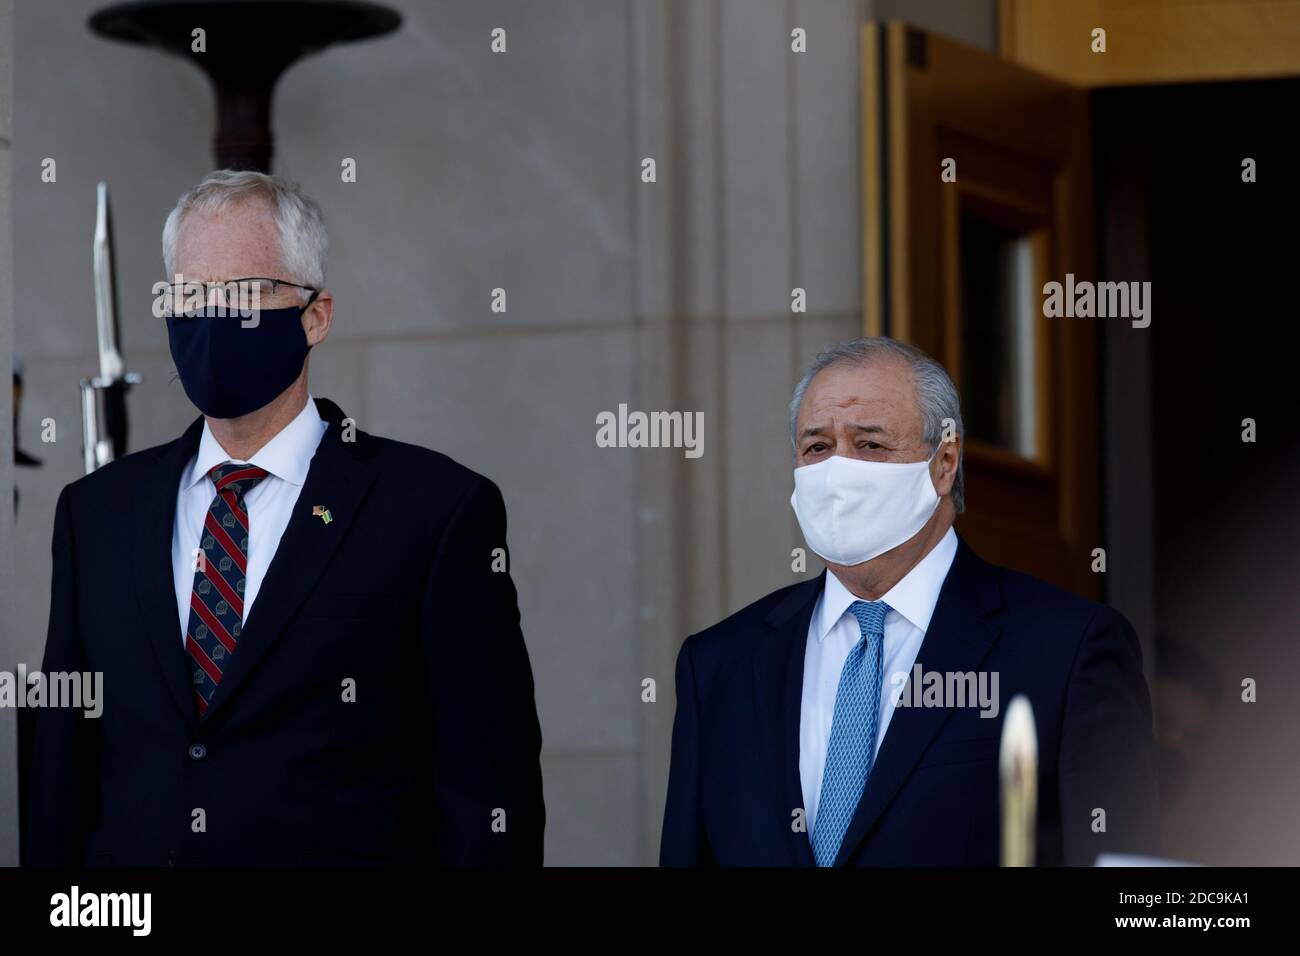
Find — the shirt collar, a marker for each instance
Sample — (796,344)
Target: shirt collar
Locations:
(914,597)
(286,456)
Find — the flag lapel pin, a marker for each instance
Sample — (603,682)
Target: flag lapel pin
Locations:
(320,511)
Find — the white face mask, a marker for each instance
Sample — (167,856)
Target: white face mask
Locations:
(851,511)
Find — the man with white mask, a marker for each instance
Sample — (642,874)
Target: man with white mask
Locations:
(854,719)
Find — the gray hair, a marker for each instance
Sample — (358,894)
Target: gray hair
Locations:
(935,393)
(303,241)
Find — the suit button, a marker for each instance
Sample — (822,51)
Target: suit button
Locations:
(198,751)
(171,857)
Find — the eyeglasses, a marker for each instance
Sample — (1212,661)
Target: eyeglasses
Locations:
(246,294)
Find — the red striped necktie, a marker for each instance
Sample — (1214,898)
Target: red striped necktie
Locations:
(217,600)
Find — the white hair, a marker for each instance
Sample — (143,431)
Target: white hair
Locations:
(303,241)
(936,396)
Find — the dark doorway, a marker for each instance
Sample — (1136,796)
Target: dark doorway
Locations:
(1223,565)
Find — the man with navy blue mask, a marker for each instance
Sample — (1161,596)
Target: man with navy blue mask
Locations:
(310,646)
(806,731)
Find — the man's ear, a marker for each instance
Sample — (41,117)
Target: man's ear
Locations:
(943,470)
(318,318)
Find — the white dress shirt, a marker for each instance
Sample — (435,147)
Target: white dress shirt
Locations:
(832,633)
(286,458)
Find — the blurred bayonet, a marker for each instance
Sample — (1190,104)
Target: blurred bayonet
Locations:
(1018,773)
(103,398)
(110,359)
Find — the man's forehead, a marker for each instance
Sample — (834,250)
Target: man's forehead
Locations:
(879,391)
(871,383)
(242,238)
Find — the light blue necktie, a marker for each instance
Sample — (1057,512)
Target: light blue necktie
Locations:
(852,746)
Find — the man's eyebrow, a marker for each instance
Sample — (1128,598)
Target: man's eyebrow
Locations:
(872,429)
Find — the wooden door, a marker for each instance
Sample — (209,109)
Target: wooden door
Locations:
(976,193)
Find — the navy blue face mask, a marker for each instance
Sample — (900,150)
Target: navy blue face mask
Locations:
(230,366)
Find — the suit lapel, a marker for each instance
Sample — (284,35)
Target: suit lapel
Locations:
(778,676)
(958,639)
(154,513)
(339,477)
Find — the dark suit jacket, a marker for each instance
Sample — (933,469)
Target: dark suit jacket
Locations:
(932,796)
(397,593)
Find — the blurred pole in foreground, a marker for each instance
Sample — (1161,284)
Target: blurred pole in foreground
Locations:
(1018,773)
